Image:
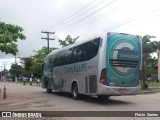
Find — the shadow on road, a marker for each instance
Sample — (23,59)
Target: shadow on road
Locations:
(93,99)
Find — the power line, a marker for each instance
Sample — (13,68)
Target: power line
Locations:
(65,19)
(132,19)
(95,20)
(32,44)
(121,23)
(102,7)
(146,20)
(87,16)
(129,20)
(78,15)
(74,14)
(35,45)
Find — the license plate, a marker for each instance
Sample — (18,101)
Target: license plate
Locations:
(122,90)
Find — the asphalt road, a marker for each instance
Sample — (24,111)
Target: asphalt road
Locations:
(33,98)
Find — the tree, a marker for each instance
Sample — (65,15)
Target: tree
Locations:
(147,50)
(33,63)
(27,63)
(4,72)
(16,70)
(156,45)
(38,59)
(68,41)
(9,34)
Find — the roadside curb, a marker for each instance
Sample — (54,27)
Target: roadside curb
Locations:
(150,90)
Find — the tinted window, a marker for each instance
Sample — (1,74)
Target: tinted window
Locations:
(83,52)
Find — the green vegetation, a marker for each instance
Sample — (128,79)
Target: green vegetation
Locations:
(68,41)
(152,83)
(9,34)
(16,70)
(32,64)
(149,64)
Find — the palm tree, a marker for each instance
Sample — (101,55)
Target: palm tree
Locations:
(157,46)
(147,49)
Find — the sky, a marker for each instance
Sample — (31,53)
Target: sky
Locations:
(84,18)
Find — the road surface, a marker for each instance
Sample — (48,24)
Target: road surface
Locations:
(33,98)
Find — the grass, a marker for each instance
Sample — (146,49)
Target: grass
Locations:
(152,83)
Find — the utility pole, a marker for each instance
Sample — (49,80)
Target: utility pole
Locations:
(15,58)
(47,38)
(1,73)
(4,64)
(16,67)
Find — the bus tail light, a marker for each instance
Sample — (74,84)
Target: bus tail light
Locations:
(103,77)
(139,77)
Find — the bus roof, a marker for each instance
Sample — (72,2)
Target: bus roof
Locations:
(81,42)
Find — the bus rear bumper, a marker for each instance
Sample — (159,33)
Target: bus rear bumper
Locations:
(116,91)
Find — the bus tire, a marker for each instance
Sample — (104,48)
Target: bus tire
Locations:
(47,89)
(75,91)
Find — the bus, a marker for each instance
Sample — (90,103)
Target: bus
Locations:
(108,65)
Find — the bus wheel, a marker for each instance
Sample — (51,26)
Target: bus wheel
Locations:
(103,97)
(48,90)
(75,91)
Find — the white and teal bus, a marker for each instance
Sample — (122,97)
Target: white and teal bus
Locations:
(104,66)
